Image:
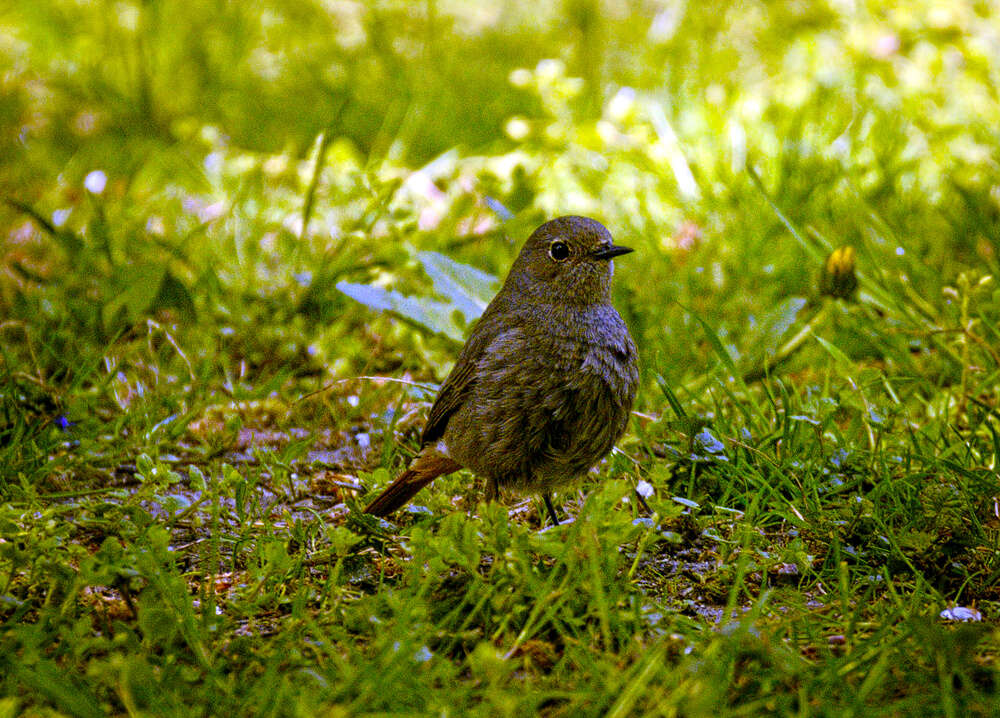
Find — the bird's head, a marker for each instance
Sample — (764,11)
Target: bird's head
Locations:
(567,260)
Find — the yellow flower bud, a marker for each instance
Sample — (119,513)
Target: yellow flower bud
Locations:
(838,278)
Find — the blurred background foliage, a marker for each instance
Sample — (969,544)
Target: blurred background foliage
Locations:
(217,215)
(188,183)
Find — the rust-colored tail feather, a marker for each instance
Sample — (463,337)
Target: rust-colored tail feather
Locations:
(424,469)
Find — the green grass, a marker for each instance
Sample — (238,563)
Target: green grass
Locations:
(192,411)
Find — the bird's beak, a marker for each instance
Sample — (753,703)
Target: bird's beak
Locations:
(612,250)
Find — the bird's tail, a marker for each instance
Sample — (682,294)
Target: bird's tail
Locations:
(424,469)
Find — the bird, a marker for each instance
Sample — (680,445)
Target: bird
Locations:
(543,387)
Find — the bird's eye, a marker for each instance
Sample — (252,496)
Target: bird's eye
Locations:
(558,251)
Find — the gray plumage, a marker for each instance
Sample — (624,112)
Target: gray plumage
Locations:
(544,385)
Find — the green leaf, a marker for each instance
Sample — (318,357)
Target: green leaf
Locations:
(137,285)
(671,397)
(173,294)
(776,323)
(716,343)
(834,351)
(64,689)
(158,625)
(435,316)
(468,288)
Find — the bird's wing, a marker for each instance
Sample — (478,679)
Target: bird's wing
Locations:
(461,379)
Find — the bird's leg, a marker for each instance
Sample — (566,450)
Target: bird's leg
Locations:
(491,490)
(547,498)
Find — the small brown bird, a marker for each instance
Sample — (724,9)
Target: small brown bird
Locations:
(543,387)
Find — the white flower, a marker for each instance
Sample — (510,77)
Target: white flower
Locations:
(95,182)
